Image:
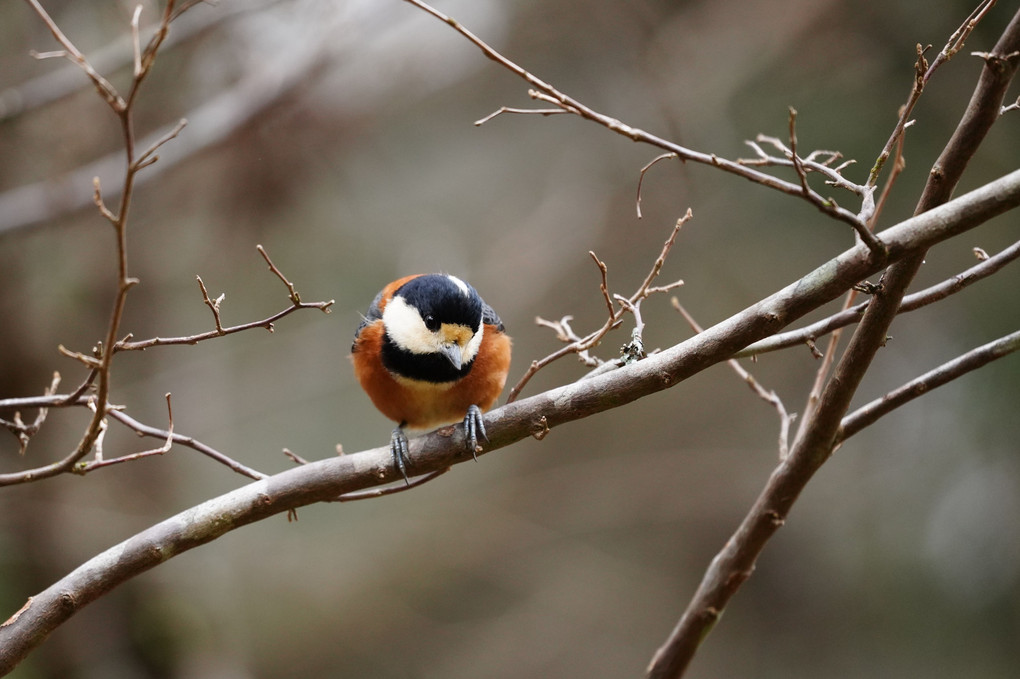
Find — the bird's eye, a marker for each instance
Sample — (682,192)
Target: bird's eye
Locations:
(431,322)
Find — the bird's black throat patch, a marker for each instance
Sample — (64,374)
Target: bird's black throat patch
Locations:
(434,368)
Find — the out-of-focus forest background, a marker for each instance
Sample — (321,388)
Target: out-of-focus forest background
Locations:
(340,136)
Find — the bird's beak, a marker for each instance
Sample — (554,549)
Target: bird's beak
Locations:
(452,352)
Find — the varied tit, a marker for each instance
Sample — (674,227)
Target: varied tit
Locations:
(430,352)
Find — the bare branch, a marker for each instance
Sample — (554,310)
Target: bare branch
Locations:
(833,175)
(187,441)
(923,73)
(102,85)
(149,156)
(209,123)
(733,565)
(916,300)
(545,92)
(391,489)
(294,296)
(972,360)
(214,306)
(220,331)
(582,345)
(767,395)
(522,111)
(326,479)
(641,177)
(99,462)
(78,399)
(25,432)
(817,437)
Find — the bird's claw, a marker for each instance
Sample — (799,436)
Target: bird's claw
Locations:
(398,446)
(473,427)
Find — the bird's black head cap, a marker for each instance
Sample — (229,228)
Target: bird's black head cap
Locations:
(443,299)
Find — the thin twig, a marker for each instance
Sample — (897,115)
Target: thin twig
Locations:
(25,432)
(581,346)
(87,361)
(899,164)
(92,438)
(102,85)
(220,331)
(214,305)
(97,200)
(187,441)
(294,457)
(543,91)
(148,157)
(293,293)
(923,73)
(80,391)
(604,285)
(522,111)
(391,489)
(641,177)
(867,414)
(99,462)
(767,395)
(916,300)
(136,42)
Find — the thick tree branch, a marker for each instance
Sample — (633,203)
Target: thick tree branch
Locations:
(816,440)
(735,563)
(327,479)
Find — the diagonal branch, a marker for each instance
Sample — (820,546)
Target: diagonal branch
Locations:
(913,301)
(545,92)
(868,414)
(326,479)
(74,55)
(815,442)
(187,441)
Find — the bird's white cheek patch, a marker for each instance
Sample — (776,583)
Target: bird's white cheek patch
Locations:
(407,330)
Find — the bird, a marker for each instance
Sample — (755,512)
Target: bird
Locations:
(430,352)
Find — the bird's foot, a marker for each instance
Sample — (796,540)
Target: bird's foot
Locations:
(473,428)
(398,446)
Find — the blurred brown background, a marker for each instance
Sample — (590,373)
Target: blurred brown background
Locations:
(339,135)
